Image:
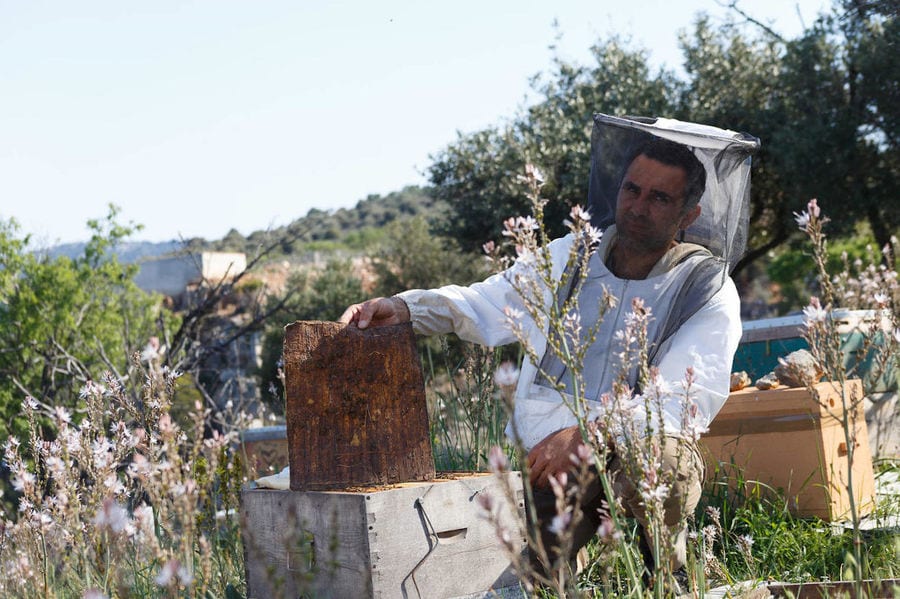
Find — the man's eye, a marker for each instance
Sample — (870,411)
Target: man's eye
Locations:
(662,198)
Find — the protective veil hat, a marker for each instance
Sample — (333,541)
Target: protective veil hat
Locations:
(722,226)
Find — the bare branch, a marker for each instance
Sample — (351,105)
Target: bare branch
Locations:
(733,5)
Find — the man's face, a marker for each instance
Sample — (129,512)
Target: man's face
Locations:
(649,210)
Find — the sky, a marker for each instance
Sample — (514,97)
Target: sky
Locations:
(196,117)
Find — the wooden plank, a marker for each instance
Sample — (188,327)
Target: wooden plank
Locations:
(356,412)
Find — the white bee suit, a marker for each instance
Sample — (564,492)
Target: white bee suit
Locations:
(707,340)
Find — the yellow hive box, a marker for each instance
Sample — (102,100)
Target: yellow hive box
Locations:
(790,441)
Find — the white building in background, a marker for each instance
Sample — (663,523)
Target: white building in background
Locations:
(228,373)
(173,276)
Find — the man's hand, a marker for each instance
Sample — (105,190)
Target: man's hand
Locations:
(378,312)
(552,456)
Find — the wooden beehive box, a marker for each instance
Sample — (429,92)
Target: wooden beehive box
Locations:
(264,449)
(786,440)
(424,539)
(355,403)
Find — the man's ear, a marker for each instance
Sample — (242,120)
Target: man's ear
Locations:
(690,216)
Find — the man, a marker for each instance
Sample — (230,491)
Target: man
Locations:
(696,324)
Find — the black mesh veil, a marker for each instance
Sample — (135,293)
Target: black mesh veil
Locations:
(725,207)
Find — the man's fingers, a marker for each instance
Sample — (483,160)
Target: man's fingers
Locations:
(349,314)
(363,314)
(366,311)
(379,312)
(537,466)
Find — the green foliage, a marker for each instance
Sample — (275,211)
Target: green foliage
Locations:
(825,128)
(785,547)
(324,295)
(63,321)
(364,238)
(791,266)
(411,257)
(467,415)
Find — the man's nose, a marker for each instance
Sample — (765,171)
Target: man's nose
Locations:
(641,204)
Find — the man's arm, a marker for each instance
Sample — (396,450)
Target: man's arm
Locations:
(706,342)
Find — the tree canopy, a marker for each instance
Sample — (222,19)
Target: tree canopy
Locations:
(65,320)
(824,106)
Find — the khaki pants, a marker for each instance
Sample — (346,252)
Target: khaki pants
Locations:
(687,472)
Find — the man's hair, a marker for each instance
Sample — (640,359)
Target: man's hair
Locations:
(678,155)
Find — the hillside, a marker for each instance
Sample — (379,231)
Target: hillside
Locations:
(345,227)
(342,228)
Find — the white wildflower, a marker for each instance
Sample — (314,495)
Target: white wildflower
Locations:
(560,522)
(167,426)
(139,466)
(593,235)
(173,572)
(42,519)
(654,493)
(513,314)
(813,207)
(693,423)
(572,323)
(578,218)
(143,520)
(497,459)
(583,454)
(506,375)
(814,313)
(91,388)
(152,350)
(532,173)
(558,483)
(102,450)
(518,225)
(111,515)
(55,465)
(657,385)
(23,480)
(62,415)
(217,441)
(577,213)
(188,487)
(113,484)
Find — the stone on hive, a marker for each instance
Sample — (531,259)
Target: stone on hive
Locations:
(769,381)
(739,380)
(798,369)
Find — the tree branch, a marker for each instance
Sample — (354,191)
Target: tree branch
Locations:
(733,5)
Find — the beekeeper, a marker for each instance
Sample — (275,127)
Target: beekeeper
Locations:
(671,200)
